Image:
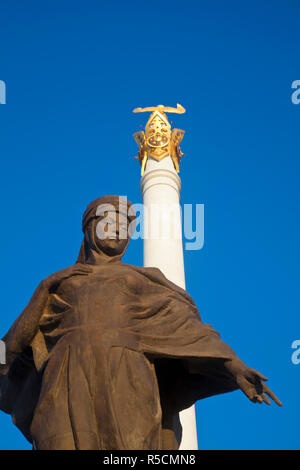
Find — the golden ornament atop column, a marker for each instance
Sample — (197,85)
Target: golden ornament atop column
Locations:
(159,140)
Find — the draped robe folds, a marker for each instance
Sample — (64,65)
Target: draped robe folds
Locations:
(117,355)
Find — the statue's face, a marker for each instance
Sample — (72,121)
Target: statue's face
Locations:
(111,233)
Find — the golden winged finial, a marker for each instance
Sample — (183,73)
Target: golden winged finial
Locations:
(161,109)
(159,140)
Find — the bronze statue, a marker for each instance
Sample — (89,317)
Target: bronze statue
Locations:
(106,354)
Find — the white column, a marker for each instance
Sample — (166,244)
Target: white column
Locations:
(160,187)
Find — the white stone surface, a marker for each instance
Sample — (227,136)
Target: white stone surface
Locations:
(160,187)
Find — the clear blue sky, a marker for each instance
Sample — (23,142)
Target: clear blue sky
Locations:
(74,71)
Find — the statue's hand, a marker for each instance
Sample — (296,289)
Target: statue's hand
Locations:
(251,382)
(75,270)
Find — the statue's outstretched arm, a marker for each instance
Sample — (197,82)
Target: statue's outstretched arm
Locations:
(251,382)
(26,326)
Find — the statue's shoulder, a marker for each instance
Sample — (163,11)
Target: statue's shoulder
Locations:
(147,271)
(156,275)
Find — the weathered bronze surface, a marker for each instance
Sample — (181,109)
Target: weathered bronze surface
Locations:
(106,354)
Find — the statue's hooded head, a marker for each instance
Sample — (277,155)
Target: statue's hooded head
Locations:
(107,224)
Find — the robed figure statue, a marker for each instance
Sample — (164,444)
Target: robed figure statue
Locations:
(106,354)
